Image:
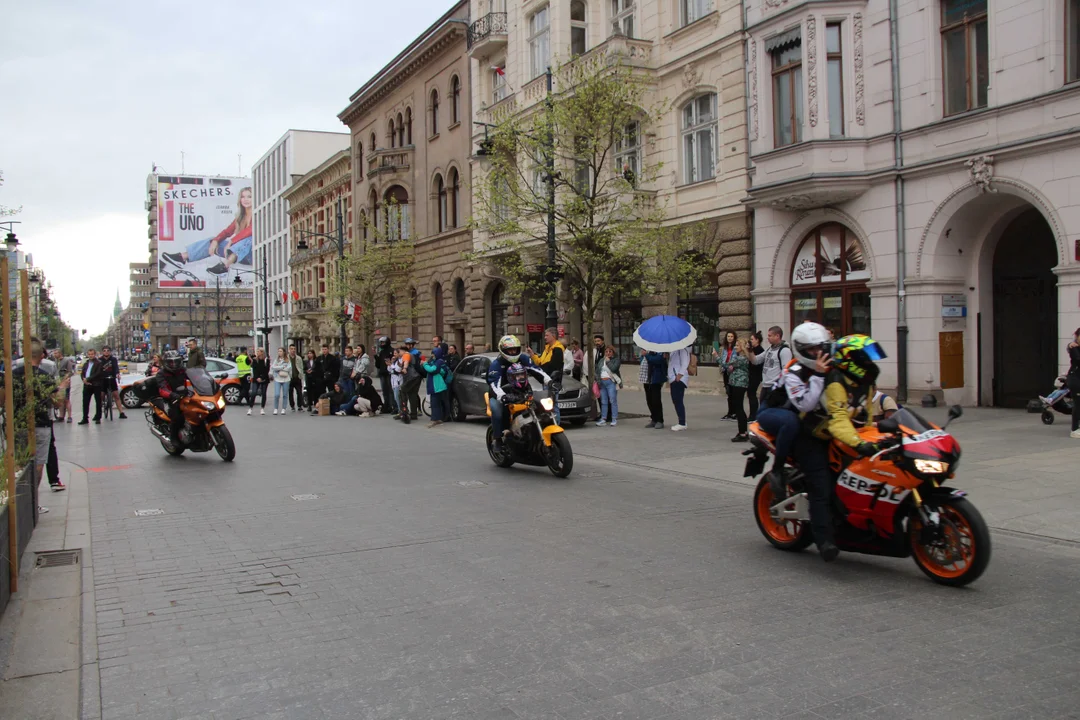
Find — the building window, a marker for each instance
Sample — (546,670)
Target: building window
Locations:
(539,42)
(578,38)
(699,138)
(691,10)
(408,126)
(459,296)
(1072,40)
(455,100)
(965,54)
(371,144)
(434,113)
(440,199)
(828,281)
(453,186)
(835,55)
(393,134)
(701,309)
(625,317)
(627,153)
(498,83)
(786,52)
(400,131)
(437,292)
(397,214)
(359,160)
(622,17)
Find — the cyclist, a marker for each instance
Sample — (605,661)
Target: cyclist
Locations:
(111,369)
(499,374)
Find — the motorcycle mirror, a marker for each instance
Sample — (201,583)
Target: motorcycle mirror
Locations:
(954,412)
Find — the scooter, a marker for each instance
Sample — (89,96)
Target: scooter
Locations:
(534,437)
(202,408)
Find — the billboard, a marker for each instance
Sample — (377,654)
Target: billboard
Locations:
(204,231)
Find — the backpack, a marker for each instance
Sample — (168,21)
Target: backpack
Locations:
(567,361)
(691,367)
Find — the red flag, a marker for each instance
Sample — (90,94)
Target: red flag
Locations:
(284,297)
(499,71)
(295,295)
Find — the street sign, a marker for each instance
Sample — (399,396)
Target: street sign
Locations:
(251,333)
(146,335)
(954,300)
(953,311)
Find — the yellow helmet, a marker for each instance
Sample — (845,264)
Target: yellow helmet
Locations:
(856,356)
(510,348)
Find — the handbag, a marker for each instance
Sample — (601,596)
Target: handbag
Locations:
(596,390)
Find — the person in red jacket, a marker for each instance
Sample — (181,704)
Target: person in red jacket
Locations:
(232,244)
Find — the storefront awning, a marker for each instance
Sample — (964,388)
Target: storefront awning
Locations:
(784,40)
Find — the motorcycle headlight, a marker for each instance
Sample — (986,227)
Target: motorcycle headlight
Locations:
(931,467)
(547,403)
(209,405)
(221,403)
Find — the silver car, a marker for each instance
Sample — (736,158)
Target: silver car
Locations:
(470,383)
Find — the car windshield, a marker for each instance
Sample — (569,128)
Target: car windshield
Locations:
(201,381)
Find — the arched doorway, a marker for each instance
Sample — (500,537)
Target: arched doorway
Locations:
(1025,311)
(828,281)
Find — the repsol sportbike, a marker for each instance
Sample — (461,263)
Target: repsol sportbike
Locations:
(534,438)
(203,429)
(894,503)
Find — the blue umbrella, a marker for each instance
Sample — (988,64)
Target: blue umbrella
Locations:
(665,333)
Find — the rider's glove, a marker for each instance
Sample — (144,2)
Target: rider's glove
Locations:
(866,449)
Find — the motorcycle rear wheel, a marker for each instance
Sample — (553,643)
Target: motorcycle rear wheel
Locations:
(965,532)
(174,451)
(792,535)
(504,459)
(560,456)
(223,443)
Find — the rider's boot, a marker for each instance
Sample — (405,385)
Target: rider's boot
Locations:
(828,551)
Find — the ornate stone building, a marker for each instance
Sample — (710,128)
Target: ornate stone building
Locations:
(913,175)
(411,141)
(315,201)
(693,52)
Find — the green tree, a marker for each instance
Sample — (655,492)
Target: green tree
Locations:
(612,233)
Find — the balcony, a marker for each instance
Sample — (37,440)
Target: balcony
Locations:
(487,34)
(621,49)
(501,110)
(307,306)
(390,160)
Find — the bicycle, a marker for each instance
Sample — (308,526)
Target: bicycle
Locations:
(107,405)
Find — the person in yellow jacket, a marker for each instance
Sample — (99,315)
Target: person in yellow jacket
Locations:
(243,372)
(551,360)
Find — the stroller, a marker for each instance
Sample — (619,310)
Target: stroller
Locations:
(1061,400)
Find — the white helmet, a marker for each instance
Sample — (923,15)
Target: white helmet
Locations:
(808,342)
(510,348)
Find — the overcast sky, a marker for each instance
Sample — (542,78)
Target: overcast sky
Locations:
(94,92)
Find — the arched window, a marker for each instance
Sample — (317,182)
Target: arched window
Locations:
(453,187)
(414,314)
(434,112)
(359,160)
(408,126)
(578,28)
(362,219)
(373,212)
(437,291)
(828,281)
(397,213)
(455,100)
(400,131)
(393,134)
(699,138)
(440,203)
(460,295)
(371,143)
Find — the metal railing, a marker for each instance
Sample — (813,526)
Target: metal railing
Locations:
(308,305)
(491,24)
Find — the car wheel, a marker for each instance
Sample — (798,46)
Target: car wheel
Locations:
(232,395)
(130,399)
(455,410)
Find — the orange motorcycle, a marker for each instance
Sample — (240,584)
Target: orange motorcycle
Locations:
(203,429)
(895,503)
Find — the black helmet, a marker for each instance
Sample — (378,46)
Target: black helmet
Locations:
(172,361)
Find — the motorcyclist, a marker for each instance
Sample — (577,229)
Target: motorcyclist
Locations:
(499,375)
(171,386)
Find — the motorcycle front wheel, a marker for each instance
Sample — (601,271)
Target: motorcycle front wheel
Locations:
(223,443)
(560,457)
(503,459)
(961,552)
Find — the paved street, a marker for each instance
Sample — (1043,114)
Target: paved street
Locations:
(423,582)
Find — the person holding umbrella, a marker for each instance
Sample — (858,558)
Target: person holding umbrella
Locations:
(669,334)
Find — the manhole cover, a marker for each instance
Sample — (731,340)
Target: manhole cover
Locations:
(149,511)
(309,496)
(57,558)
(471,483)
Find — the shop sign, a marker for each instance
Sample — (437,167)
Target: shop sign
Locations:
(953,311)
(958,300)
(833,302)
(806,304)
(534,327)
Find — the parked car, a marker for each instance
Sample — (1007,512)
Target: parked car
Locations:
(224,371)
(470,384)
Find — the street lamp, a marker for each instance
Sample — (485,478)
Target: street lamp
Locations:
(339,240)
(261,275)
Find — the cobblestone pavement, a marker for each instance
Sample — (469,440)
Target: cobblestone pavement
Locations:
(423,582)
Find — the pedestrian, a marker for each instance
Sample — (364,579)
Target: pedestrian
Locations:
(610,382)
(363,365)
(776,357)
(469,350)
(437,342)
(345,373)
(579,358)
(154,366)
(338,399)
(395,371)
(655,377)
(110,366)
(367,402)
(722,356)
(243,372)
(677,376)
(65,370)
(281,372)
(384,357)
(330,366)
(312,380)
(755,349)
(1073,381)
(738,371)
(44,385)
(296,380)
(260,380)
(598,355)
(438,387)
(411,381)
(195,357)
(93,379)
(552,361)
(452,358)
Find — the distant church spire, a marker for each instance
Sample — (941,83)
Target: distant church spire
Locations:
(117,308)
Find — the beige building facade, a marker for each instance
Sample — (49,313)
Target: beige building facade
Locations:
(915,175)
(693,53)
(411,142)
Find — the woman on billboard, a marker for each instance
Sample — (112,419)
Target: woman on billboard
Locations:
(236,249)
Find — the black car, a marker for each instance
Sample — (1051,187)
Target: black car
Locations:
(470,383)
